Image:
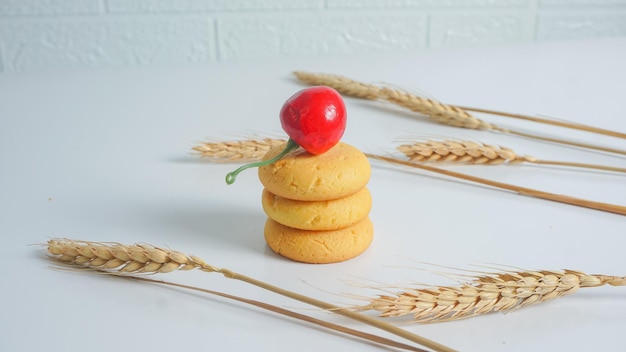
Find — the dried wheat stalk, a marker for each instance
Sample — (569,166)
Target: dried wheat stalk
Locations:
(433,109)
(479,153)
(612,208)
(488,293)
(443,113)
(525,191)
(146,259)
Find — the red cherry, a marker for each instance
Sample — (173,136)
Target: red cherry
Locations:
(315,118)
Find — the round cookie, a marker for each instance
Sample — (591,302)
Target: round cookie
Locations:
(319,247)
(318,215)
(341,171)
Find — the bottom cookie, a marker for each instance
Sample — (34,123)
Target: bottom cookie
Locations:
(319,247)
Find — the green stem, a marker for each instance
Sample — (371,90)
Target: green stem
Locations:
(231,176)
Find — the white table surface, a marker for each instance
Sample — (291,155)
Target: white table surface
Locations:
(104,156)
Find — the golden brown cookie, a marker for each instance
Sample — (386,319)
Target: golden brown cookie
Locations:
(319,247)
(318,215)
(341,171)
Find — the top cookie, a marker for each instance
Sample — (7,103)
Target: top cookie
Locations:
(341,171)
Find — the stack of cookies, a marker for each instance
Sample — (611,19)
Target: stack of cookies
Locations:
(317,205)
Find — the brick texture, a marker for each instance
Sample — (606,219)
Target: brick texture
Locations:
(466,30)
(2,69)
(450,4)
(209,5)
(72,34)
(48,7)
(77,44)
(579,26)
(256,37)
(569,3)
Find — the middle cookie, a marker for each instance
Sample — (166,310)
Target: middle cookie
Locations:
(318,215)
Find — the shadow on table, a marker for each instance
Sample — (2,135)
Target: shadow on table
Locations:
(167,222)
(230,227)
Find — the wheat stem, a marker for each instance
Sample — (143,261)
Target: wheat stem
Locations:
(487,293)
(565,142)
(607,207)
(144,258)
(339,328)
(580,165)
(576,126)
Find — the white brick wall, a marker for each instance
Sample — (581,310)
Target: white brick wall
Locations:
(454,30)
(453,5)
(147,6)
(48,7)
(70,34)
(50,44)
(253,36)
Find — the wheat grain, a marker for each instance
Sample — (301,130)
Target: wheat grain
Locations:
(237,151)
(461,151)
(488,293)
(436,111)
(479,153)
(124,259)
(343,85)
(136,259)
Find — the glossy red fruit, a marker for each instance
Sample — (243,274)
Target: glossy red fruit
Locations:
(315,118)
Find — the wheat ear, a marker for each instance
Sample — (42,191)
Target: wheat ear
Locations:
(343,85)
(436,111)
(488,293)
(450,115)
(479,153)
(143,258)
(236,151)
(612,208)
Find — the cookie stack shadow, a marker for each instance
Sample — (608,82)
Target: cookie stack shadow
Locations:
(317,205)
